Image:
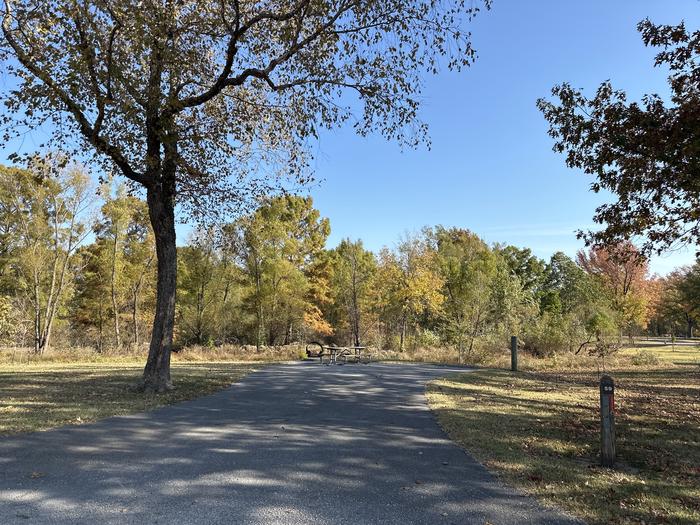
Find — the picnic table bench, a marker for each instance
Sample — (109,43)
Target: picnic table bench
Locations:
(339,355)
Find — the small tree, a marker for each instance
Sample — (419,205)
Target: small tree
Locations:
(352,270)
(622,273)
(679,300)
(90,302)
(187,98)
(198,283)
(688,289)
(409,284)
(279,243)
(575,310)
(117,269)
(468,270)
(45,208)
(111,236)
(139,269)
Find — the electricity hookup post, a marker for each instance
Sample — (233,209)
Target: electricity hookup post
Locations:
(607,421)
(514,353)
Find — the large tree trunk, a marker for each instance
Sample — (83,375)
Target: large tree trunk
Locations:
(161,209)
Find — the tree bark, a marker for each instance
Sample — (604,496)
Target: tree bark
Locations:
(135,318)
(113,278)
(403,333)
(161,210)
(355,305)
(37,315)
(288,332)
(258,305)
(689,323)
(136,294)
(199,328)
(100,329)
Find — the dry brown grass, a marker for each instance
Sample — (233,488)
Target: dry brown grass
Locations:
(539,429)
(39,396)
(189,354)
(78,385)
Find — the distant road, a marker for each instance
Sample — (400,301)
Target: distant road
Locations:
(291,444)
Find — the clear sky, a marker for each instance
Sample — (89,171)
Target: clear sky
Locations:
(491,168)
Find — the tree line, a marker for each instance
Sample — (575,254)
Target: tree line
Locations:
(78,268)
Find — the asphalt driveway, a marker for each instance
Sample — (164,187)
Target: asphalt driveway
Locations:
(290,444)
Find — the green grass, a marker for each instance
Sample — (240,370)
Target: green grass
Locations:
(540,432)
(683,353)
(43,395)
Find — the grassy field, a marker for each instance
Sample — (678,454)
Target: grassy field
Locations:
(539,429)
(46,394)
(682,353)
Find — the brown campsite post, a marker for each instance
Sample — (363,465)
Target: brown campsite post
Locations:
(607,421)
(514,353)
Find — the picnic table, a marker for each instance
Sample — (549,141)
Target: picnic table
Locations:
(339,355)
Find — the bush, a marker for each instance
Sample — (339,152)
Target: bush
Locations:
(428,339)
(547,335)
(645,358)
(604,348)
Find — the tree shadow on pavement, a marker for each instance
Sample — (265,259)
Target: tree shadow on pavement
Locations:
(299,443)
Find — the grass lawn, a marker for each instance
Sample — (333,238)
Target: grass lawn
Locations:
(42,395)
(540,431)
(683,353)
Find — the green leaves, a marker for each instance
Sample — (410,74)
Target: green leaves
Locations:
(280,245)
(43,210)
(117,273)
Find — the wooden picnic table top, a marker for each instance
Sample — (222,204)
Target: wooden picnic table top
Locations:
(343,353)
(357,350)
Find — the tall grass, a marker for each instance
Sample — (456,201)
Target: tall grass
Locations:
(21,355)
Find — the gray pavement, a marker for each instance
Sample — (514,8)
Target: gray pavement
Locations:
(291,444)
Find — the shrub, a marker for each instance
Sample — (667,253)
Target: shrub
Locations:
(428,339)
(547,335)
(645,358)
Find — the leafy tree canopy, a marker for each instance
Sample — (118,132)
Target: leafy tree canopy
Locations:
(647,153)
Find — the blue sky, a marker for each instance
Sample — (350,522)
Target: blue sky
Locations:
(491,168)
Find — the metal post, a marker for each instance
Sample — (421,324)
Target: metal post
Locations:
(607,421)
(514,353)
